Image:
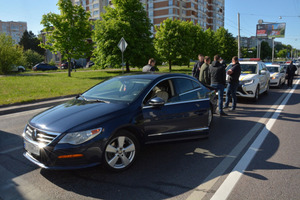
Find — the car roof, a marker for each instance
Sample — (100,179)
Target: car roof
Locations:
(249,62)
(272,65)
(154,75)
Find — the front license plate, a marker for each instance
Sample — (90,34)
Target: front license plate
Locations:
(32,148)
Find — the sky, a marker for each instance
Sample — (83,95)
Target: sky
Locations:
(251,11)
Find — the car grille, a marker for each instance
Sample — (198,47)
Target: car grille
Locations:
(39,136)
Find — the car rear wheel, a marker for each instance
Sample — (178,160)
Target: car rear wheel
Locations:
(121,151)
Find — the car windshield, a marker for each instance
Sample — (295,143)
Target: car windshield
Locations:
(273,69)
(248,68)
(123,89)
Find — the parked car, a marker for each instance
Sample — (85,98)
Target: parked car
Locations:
(66,64)
(254,78)
(277,74)
(18,69)
(44,67)
(109,122)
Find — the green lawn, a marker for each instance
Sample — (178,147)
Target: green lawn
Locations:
(29,86)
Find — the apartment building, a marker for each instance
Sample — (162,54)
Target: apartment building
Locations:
(206,13)
(13,29)
(96,7)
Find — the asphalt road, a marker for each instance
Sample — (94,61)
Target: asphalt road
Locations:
(216,168)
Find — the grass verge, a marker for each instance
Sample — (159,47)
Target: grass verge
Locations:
(26,87)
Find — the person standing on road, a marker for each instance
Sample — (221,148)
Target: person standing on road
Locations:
(204,76)
(218,80)
(290,73)
(233,83)
(223,63)
(197,66)
(150,67)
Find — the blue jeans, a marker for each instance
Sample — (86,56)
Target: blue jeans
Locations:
(220,89)
(231,92)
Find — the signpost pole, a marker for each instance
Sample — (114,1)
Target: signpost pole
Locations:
(122,46)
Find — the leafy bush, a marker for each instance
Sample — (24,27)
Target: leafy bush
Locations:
(10,54)
(32,58)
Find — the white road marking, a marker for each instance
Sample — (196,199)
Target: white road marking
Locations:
(11,150)
(203,189)
(227,186)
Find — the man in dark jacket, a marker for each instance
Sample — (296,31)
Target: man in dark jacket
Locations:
(290,73)
(197,66)
(218,80)
(233,82)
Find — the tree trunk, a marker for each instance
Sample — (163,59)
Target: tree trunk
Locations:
(127,67)
(69,66)
(170,65)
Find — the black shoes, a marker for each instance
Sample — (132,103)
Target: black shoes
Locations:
(223,114)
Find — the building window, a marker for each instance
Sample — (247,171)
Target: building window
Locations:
(170,2)
(96,5)
(170,11)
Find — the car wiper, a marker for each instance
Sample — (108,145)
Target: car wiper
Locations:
(103,101)
(82,97)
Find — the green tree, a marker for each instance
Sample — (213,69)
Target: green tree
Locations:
(10,54)
(68,32)
(282,53)
(30,41)
(226,43)
(128,19)
(169,41)
(266,51)
(249,52)
(211,45)
(192,41)
(32,58)
(199,42)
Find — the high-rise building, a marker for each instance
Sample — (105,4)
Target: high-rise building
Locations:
(13,29)
(206,13)
(94,6)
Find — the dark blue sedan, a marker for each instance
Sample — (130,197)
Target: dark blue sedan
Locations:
(44,67)
(109,122)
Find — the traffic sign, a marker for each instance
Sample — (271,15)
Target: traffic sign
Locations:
(122,44)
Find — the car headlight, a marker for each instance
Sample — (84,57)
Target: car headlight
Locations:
(80,137)
(275,77)
(248,82)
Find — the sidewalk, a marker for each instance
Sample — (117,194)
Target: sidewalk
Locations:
(8,109)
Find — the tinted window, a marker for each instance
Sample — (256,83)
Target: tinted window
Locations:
(187,90)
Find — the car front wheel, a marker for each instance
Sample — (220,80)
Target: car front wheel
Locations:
(255,98)
(121,151)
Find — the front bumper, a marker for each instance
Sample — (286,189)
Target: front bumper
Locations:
(48,156)
(247,91)
(274,82)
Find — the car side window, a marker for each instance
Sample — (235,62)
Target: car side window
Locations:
(163,90)
(186,90)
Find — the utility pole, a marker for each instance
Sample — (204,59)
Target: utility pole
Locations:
(273,48)
(239,37)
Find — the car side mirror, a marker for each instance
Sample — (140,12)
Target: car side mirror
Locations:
(156,102)
(263,72)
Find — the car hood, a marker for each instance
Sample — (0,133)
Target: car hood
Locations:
(67,116)
(244,77)
(273,73)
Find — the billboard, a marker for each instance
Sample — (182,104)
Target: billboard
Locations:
(276,30)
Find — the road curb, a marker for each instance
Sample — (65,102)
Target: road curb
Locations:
(20,107)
